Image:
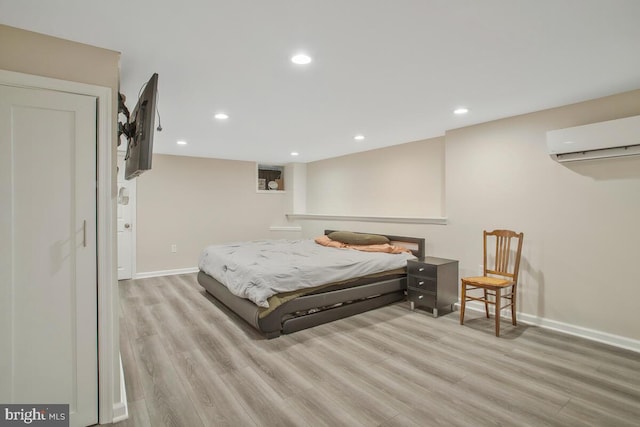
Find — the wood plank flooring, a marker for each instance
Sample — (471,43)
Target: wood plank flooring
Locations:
(189,362)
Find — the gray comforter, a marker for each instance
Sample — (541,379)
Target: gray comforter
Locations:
(257,270)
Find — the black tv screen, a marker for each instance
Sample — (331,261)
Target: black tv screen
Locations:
(142,125)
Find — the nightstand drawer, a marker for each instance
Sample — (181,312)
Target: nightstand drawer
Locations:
(422,283)
(421,298)
(421,269)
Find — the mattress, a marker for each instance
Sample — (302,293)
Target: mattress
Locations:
(259,270)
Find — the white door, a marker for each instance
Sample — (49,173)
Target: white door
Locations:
(126,208)
(48,284)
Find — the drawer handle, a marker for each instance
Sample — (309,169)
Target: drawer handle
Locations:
(420,283)
(420,296)
(421,269)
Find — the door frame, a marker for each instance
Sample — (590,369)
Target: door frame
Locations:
(112,404)
(133,202)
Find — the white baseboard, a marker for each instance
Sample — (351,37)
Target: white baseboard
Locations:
(578,331)
(120,409)
(159,273)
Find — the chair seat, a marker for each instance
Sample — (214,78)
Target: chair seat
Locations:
(487,281)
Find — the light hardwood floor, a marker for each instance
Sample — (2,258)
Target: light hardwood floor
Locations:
(188,361)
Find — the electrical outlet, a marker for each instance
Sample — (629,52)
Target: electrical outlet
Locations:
(480,270)
(174,248)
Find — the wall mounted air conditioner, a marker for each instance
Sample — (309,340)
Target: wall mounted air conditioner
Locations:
(613,138)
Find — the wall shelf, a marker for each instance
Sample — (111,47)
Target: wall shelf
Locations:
(285,228)
(392,219)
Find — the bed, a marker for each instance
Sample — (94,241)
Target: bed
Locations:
(295,310)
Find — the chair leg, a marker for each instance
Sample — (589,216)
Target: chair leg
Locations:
(513,305)
(463,300)
(498,303)
(486,304)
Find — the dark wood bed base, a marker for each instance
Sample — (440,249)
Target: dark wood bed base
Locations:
(283,320)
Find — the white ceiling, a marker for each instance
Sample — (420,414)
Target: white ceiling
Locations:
(390,70)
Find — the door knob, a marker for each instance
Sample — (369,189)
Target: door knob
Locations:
(127,226)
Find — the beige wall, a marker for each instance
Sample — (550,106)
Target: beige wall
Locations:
(580,220)
(405,180)
(580,258)
(193,202)
(32,53)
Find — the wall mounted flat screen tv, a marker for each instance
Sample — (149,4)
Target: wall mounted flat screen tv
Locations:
(141,128)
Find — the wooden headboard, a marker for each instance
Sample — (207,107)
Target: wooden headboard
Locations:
(415,244)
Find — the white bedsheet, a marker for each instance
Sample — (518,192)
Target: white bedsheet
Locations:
(259,269)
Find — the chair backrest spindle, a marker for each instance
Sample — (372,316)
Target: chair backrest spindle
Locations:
(503,253)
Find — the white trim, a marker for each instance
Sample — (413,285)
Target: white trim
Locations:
(133,201)
(134,226)
(120,409)
(578,331)
(285,228)
(147,274)
(107,327)
(394,219)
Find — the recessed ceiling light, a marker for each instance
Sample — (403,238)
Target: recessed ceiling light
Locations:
(461,110)
(181,142)
(221,116)
(301,59)
(294,153)
(358,137)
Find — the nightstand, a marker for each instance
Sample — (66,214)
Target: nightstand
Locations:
(432,282)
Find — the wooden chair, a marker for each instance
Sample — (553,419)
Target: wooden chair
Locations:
(502,274)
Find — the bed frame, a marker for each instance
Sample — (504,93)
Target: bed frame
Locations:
(353,300)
